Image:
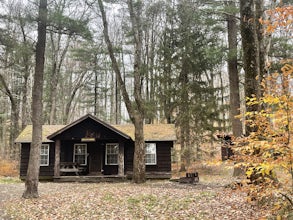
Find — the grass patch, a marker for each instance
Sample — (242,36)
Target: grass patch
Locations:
(109,197)
(9,180)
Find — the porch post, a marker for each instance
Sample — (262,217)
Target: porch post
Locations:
(121,159)
(57,158)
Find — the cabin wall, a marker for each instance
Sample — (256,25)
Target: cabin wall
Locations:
(46,172)
(66,151)
(88,129)
(163,158)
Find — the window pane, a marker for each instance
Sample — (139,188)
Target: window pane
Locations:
(80,159)
(112,159)
(150,154)
(44,155)
(80,154)
(80,149)
(150,148)
(112,154)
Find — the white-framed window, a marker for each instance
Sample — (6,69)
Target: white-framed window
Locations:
(44,155)
(150,154)
(112,151)
(80,154)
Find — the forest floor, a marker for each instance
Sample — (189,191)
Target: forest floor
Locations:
(209,199)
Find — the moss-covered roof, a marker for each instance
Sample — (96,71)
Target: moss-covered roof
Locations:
(26,135)
(152,132)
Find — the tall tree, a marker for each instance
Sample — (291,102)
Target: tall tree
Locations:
(253,50)
(233,70)
(190,55)
(32,179)
(249,47)
(135,109)
(16,59)
(65,26)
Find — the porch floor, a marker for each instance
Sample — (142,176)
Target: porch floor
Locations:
(91,178)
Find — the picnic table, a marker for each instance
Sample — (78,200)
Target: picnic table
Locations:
(69,167)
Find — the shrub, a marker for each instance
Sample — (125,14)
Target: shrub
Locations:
(8,168)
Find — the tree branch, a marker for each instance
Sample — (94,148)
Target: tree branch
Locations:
(115,65)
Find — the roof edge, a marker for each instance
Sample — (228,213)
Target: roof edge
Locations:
(51,136)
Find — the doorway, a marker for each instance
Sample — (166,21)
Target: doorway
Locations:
(95,152)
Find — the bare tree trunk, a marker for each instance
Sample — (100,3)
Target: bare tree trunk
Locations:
(76,87)
(233,75)
(139,152)
(57,60)
(250,53)
(14,128)
(32,178)
(24,108)
(249,47)
(135,111)
(259,43)
(25,119)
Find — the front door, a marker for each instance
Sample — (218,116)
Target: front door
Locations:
(95,158)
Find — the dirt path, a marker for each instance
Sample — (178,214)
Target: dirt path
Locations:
(153,200)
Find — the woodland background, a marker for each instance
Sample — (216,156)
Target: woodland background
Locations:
(199,61)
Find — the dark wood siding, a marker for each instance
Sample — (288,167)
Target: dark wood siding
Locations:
(45,171)
(89,129)
(24,158)
(128,156)
(163,157)
(110,170)
(66,151)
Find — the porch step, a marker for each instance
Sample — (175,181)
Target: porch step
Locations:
(91,179)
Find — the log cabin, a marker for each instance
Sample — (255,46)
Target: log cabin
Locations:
(92,147)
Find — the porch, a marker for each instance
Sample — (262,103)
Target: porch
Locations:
(88,160)
(99,178)
(92,178)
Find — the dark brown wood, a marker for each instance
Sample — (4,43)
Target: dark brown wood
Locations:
(226,149)
(95,166)
(96,157)
(46,172)
(191,178)
(163,157)
(88,127)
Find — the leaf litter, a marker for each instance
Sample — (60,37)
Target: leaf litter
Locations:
(151,200)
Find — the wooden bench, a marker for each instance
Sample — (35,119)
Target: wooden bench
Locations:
(69,167)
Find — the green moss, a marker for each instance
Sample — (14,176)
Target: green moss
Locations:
(9,180)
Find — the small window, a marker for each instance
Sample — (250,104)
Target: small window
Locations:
(80,154)
(150,154)
(44,155)
(112,154)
